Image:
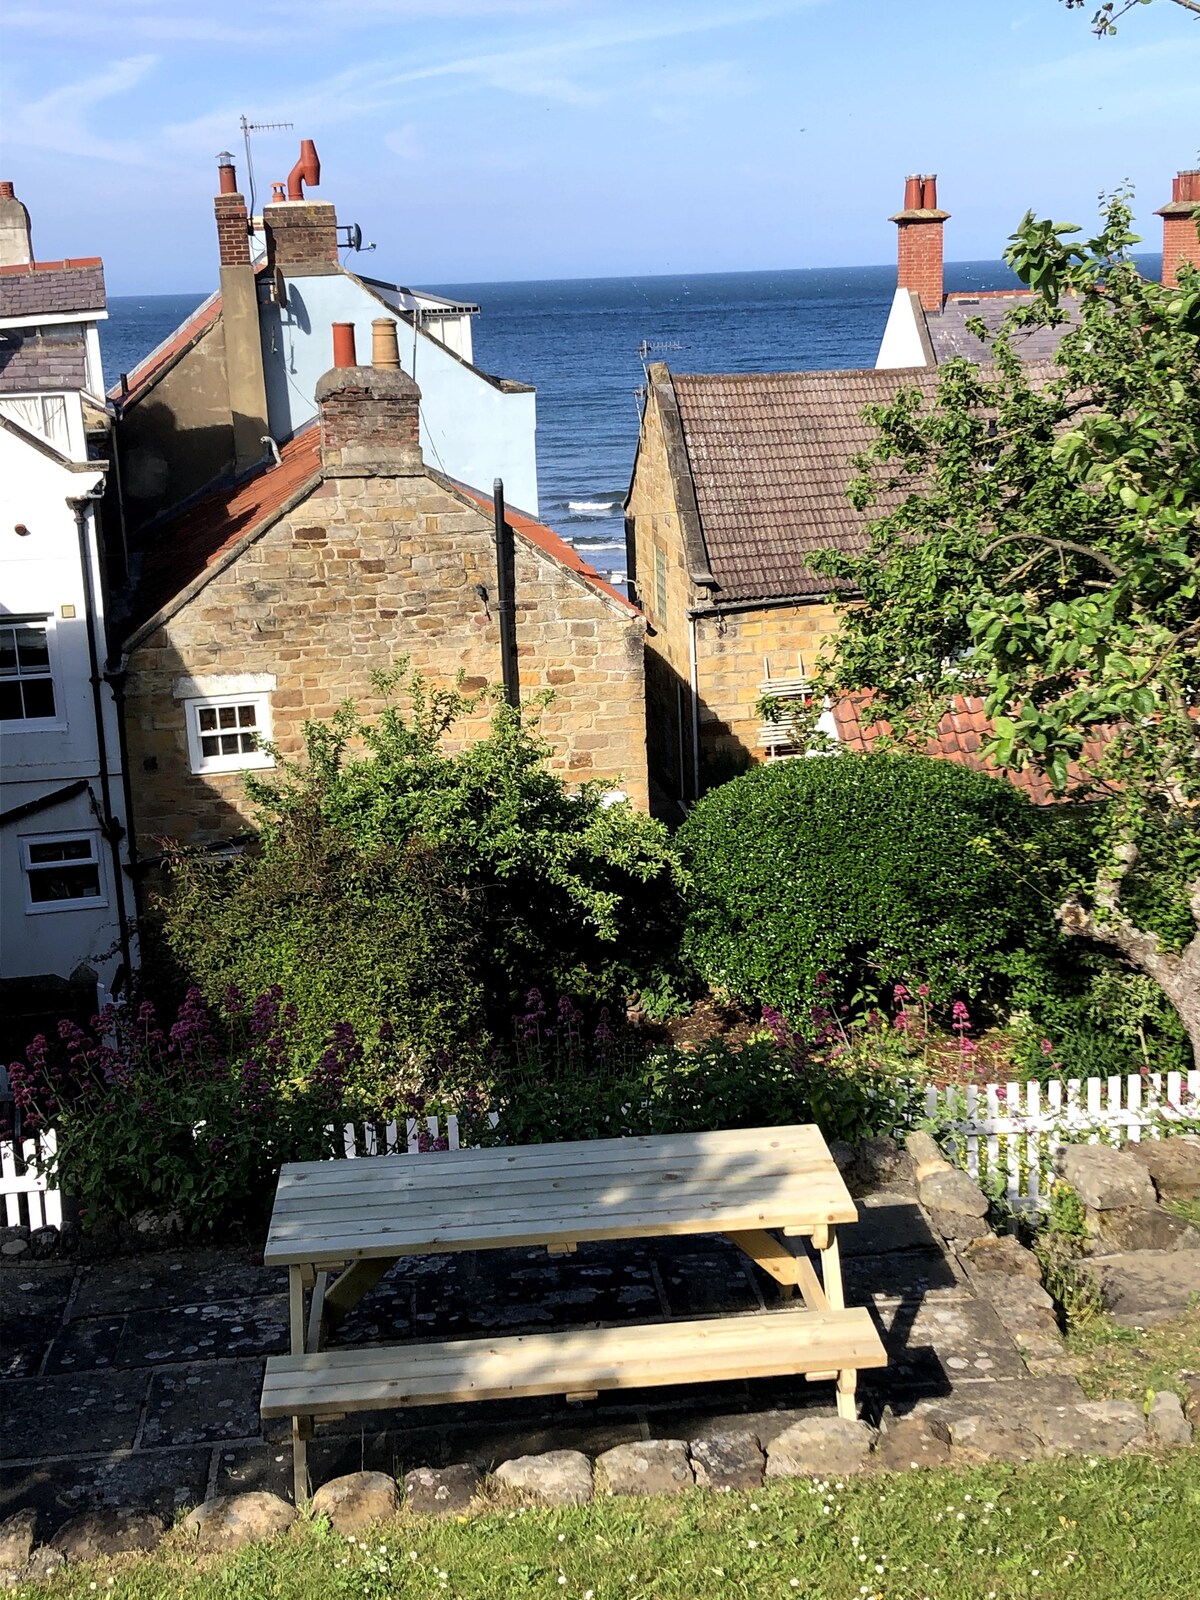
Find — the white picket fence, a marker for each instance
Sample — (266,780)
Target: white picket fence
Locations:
(26,1199)
(1006,1135)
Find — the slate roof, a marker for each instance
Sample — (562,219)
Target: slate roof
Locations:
(949,336)
(53,357)
(48,288)
(960,738)
(770,456)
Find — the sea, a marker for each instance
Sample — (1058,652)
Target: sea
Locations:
(584,343)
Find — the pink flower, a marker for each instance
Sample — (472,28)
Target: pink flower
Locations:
(923,991)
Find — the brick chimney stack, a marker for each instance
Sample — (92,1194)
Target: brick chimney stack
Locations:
(1181,243)
(919,242)
(16,246)
(370,422)
(301,233)
(233,221)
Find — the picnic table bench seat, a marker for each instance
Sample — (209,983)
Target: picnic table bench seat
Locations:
(582,1361)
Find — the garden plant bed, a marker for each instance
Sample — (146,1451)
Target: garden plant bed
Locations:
(1071,1530)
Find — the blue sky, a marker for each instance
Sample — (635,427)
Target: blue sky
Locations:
(504,139)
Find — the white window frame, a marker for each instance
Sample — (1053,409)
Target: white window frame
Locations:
(243,761)
(45,620)
(29,869)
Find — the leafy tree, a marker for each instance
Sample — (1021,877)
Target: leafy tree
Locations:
(394,872)
(1106,17)
(1039,545)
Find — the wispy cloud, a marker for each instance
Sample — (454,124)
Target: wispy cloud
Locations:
(58,121)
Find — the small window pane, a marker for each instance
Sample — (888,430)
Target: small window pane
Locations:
(208,718)
(60,850)
(249,743)
(247,717)
(38,696)
(33,651)
(226,717)
(231,745)
(11,704)
(8,652)
(210,745)
(64,883)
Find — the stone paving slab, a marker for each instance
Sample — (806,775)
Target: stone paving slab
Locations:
(252,1327)
(888,1222)
(204,1403)
(77,1414)
(32,1303)
(178,1278)
(155,1480)
(904,1275)
(85,1346)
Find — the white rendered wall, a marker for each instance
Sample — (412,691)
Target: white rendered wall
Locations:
(901,345)
(470,429)
(40,575)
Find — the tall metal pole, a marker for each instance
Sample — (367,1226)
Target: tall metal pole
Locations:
(506,600)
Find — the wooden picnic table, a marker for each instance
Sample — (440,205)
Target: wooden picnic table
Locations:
(775,1192)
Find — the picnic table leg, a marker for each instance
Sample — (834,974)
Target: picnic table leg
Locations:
(831,1274)
(301,1426)
(346,1290)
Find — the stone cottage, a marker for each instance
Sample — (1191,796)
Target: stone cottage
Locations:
(269,602)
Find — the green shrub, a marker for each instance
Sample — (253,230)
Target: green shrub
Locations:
(848,873)
(396,880)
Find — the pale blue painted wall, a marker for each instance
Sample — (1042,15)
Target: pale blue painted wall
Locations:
(470,429)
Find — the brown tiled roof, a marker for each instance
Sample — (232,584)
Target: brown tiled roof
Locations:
(48,288)
(949,335)
(189,544)
(770,456)
(151,367)
(554,545)
(960,738)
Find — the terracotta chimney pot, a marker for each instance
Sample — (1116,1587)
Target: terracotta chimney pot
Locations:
(344,354)
(385,345)
(919,240)
(1181,244)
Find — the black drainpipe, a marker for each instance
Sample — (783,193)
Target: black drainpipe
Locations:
(109,826)
(116,675)
(506,600)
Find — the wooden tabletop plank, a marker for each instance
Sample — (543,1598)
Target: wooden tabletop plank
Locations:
(801,1136)
(562,1193)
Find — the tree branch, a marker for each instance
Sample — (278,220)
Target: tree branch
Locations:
(1061,545)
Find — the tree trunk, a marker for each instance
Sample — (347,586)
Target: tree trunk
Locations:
(1178,976)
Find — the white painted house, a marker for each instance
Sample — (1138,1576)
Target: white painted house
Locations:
(239,377)
(65,912)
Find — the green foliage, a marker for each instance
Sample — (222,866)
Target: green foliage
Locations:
(848,873)
(569,1081)
(1043,553)
(399,877)
(1059,1246)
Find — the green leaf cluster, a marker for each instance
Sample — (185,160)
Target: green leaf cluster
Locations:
(848,873)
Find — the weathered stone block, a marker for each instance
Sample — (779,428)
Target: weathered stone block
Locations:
(357,1500)
(952,1191)
(728,1461)
(1166,1421)
(976,1439)
(1000,1255)
(232,1520)
(17,1536)
(820,1446)
(652,1466)
(557,1478)
(1173,1164)
(441,1491)
(1094,1427)
(1139,1228)
(1104,1178)
(912,1443)
(93,1534)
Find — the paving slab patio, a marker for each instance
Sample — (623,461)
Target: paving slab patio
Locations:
(136,1382)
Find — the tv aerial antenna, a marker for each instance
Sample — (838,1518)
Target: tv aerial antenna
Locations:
(256,127)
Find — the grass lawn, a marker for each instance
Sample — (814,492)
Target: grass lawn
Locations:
(1060,1530)
(1119,1362)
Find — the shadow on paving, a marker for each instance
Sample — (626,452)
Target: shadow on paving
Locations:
(137,1382)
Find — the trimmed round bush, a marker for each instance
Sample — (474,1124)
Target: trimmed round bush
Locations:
(840,875)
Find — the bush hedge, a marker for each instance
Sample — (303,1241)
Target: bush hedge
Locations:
(842,874)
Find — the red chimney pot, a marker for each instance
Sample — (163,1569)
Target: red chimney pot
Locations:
(929,192)
(227,178)
(307,170)
(344,354)
(6,192)
(912,192)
